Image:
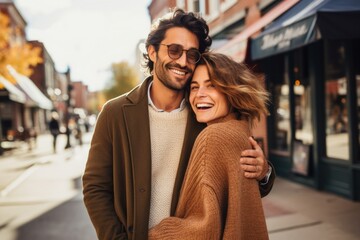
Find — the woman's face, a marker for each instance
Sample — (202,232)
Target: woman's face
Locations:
(206,101)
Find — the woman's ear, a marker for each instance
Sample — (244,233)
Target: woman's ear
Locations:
(152,53)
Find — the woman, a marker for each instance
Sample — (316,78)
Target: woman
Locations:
(216,201)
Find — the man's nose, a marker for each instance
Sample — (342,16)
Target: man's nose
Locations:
(182,60)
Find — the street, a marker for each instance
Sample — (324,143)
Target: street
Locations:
(40,193)
(40,198)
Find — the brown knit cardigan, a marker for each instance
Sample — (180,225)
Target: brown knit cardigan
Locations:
(216,200)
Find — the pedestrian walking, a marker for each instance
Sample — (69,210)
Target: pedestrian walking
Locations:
(54,128)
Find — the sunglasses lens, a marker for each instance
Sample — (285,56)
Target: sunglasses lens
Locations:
(175,51)
(193,56)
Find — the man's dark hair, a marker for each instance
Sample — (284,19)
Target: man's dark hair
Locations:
(177,18)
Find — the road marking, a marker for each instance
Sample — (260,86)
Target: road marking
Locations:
(18,180)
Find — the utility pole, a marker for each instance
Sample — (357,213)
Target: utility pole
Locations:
(68,111)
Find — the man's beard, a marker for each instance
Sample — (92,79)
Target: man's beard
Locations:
(164,78)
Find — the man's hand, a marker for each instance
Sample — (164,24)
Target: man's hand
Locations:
(253,161)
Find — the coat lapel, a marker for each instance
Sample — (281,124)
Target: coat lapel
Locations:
(138,131)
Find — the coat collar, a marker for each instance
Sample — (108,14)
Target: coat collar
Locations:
(137,94)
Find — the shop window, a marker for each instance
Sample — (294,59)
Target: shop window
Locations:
(213,9)
(358,107)
(357,77)
(282,118)
(281,129)
(337,129)
(196,5)
(226,4)
(180,4)
(302,99)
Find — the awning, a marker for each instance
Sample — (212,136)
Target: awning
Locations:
(306,22)
(15,94)
(236,47)
(31,90)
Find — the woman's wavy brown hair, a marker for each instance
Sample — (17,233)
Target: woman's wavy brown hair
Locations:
(241,86)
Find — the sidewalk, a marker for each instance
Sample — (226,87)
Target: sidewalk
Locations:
(40,192)
(43,146)
(14,163)
(294,211)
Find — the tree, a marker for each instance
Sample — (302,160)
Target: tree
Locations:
(124,78)
(21,56)
(95,102)
(4,30)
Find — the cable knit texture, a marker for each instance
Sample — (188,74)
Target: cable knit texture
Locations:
(167,131)
(216,200)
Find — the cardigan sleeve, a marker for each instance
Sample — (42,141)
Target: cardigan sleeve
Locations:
(98,185)
(200,221)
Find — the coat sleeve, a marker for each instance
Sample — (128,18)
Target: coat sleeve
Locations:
(98,183)
(266,188)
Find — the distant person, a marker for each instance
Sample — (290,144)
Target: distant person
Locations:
(54,128)
(78,133)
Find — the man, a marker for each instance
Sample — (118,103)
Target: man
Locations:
(143,139)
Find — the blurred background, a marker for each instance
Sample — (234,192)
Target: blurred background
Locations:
(61,60)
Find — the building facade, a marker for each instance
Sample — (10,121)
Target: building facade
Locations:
(25,102)
(309,56)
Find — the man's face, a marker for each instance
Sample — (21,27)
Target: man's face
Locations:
(174,74)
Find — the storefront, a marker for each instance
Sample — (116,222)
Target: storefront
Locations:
(37,116)
(11,102)
(23,108)
(311,59)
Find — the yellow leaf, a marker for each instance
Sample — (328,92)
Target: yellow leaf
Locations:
(4,30)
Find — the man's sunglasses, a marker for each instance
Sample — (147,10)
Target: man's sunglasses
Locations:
(175,51)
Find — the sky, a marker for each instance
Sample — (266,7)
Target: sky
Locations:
(87,35)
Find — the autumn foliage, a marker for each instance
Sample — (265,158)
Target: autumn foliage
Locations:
(19,54)
(124,78)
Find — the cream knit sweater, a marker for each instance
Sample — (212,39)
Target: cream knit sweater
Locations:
(167,131)
(216,200)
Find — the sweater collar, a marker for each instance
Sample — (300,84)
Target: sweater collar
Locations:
(151,103)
